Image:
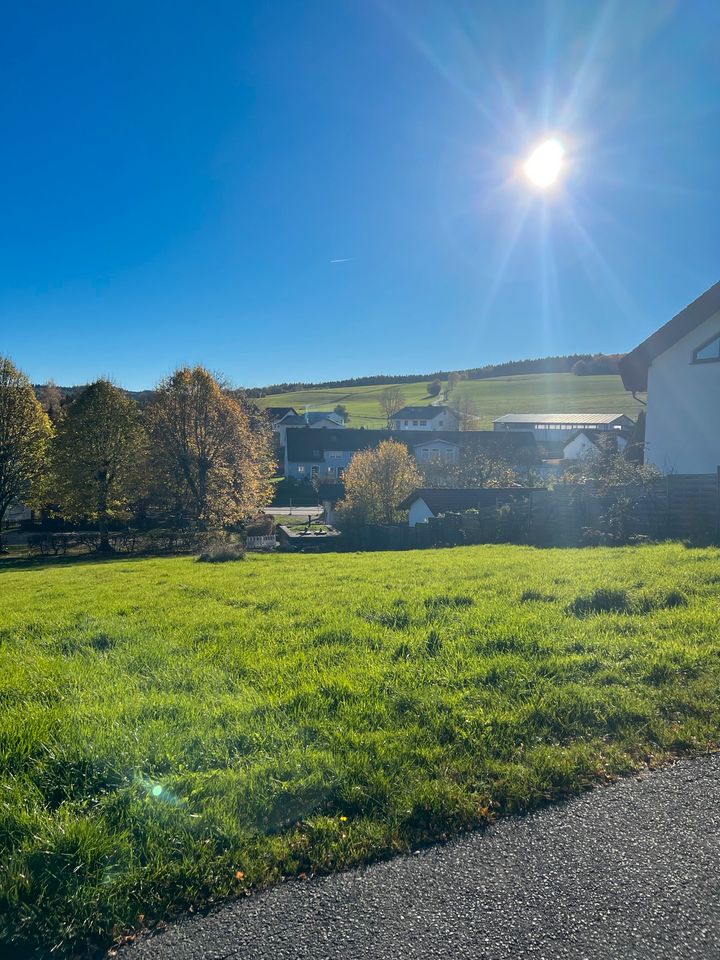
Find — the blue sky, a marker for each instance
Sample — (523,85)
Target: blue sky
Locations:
(309,191)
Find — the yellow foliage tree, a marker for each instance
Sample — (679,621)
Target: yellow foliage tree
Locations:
(24,434)
(99,457)
(376,481)
(213,455)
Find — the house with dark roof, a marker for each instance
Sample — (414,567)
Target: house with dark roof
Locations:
(277,413)
(679,367)
(425,503)
(284,418)
(326,454)
(433,417)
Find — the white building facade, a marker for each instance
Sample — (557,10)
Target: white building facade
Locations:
(679,366)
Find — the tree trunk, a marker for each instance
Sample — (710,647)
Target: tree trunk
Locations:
(2,515)
(104,545)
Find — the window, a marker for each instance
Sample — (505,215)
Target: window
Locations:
(331,471)
(423,423)
(414,423)
(708,352)
(301,469)
(335,454)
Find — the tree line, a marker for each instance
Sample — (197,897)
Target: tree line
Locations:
(597,363)
(198,454)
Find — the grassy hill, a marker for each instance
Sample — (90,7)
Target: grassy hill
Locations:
(526,393)
(172,733)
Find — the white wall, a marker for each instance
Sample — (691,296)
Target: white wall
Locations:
(445,421)
(682,433)
(419,512)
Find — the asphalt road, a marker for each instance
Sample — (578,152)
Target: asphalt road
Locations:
(629,871)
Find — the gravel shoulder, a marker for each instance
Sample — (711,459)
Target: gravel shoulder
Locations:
(627,871)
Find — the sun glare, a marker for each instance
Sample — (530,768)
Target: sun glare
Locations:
(544,164)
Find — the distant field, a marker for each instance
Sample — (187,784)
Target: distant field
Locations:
(528,393)
(172,733)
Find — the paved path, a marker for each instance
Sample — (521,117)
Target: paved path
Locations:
(630,871)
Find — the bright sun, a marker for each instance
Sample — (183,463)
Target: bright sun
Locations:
(544,164)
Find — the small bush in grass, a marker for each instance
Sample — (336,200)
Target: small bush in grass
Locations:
(530,595)
(603,600)
(220,551)
(437,603)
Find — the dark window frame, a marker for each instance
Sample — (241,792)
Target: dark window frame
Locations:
(706,343)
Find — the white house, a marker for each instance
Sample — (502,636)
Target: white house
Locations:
(426,503)
(560,426)
(584,443)
(679,367)
(425,418)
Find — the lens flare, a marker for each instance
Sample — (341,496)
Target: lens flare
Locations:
(543,166)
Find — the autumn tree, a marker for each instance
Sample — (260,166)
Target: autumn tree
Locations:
(51,400)
(24,434)
(453,380)
(467,411)
(481,469)
(434,388)
(99,457)
(609,467)
(212,449)
(342,411)
(376,481)
(391,400)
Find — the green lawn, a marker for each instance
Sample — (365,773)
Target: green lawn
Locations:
(528,393)
(173,732)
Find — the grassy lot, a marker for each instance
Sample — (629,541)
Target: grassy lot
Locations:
(528,393)
(172,732)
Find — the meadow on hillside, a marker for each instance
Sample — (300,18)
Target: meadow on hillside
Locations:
(527,393)
(173,733)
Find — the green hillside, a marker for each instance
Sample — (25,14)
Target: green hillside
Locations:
(526,393)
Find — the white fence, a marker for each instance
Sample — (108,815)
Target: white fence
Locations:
(261,543)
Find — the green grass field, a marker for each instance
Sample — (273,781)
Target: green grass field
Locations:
(528,393)
(173,733)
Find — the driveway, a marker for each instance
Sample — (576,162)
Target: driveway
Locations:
(303,512)
(628,871)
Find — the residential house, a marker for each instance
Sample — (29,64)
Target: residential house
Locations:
(316,419)
(587,443)
(425,418)
(426,503)
(679,368)
(326,454)
(560,426)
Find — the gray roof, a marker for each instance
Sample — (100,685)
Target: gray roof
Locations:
(574,419)
(277,413)
(313,416)
(306,445)
(421,413)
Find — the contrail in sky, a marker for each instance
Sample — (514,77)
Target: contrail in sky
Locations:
(342,260)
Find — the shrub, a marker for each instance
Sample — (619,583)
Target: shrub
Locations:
(220,551)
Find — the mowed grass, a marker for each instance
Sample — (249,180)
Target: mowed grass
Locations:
(527,393)
(172,733)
